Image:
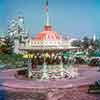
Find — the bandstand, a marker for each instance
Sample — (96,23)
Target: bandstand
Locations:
(46,59)
(49,55)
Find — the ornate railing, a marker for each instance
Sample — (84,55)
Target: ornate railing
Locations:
(55,73)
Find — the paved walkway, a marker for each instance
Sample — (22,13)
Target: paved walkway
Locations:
(9,81)
(12,88)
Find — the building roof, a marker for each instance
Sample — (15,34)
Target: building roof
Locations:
(48,35)
(48,40)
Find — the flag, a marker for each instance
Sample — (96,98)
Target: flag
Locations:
(46,7)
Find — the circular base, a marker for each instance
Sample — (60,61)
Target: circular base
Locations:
(11,82)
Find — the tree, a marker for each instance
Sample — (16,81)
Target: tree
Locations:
(9,43)
(76,43)
(97,44)
(85,43)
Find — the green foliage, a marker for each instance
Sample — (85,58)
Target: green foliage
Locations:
(91,53)
(9,45)
(14,60)
(97,43)
(95,88)
(76,43)
(86,43)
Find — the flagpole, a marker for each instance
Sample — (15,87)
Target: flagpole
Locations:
(47,19)
(47,14)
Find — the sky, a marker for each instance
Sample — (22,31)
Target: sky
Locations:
(75,18)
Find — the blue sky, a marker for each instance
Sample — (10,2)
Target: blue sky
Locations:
(76,18)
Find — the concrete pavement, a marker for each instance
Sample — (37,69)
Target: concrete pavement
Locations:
(9,81)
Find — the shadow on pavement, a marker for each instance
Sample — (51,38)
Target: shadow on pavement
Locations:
(2,91)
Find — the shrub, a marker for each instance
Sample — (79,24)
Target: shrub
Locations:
(22,72)
(94,62)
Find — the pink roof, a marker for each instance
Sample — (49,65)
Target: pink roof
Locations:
(48,34)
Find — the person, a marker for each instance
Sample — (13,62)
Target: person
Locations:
(33,66)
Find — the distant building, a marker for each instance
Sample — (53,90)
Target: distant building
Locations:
(17,32)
